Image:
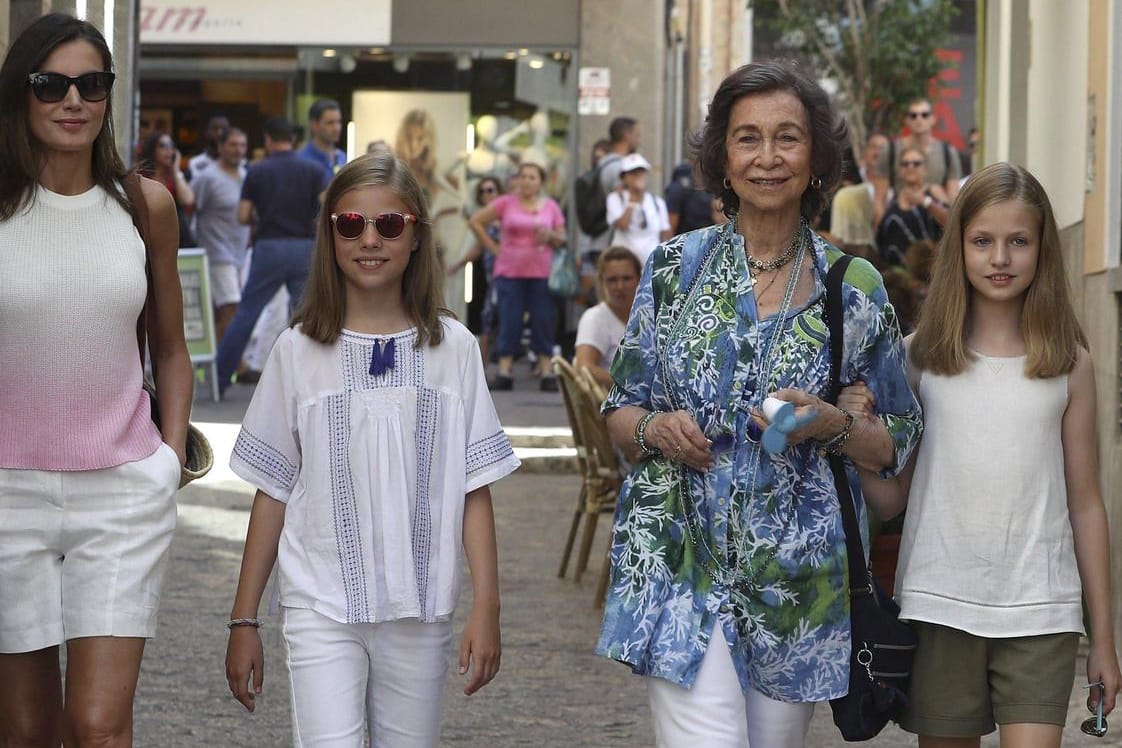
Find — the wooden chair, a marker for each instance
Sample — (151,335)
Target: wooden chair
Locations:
(598,391)
(600,478)
(603,477)
(567,382)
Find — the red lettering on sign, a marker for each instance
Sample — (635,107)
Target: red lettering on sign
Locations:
(185,18)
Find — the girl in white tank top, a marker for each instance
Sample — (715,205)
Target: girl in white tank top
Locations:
(1006,531)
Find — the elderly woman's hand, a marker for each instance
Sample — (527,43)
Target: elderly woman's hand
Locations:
(677,435)
(827,422)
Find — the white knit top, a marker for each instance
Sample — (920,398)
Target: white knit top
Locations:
(987,545)
(72,286)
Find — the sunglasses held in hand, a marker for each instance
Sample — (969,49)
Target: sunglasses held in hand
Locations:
(351,224)
(50,88)
(1096,725)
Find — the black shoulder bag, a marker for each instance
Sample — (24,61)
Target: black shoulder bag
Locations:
(880,662)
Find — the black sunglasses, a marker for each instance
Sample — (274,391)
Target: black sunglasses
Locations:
(52,87)
(919,115)
(351,224)
(913,164)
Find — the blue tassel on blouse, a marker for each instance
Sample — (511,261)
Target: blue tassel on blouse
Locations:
(381,357)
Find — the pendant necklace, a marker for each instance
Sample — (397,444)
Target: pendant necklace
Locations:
(760,266)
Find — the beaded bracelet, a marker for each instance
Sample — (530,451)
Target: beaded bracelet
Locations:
(237,622)
(640,436)
(834,445)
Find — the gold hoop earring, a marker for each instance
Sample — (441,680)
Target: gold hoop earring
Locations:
(816,183)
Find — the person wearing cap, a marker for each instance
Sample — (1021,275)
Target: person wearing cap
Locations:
(281,198)
(638,219)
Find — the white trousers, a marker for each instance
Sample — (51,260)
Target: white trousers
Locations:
(384,680)
(715,713)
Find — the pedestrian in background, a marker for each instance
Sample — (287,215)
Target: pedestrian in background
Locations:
(943,164)
(530,226)
(728,588)
(218,191)
(160,160)
(372,440)
(200,162)
(325,125)
(601,327)
(916,211)
(623,138)
(1006,534)
(281,198)
(686,203)
(87,481)
(482,312)
(638,219)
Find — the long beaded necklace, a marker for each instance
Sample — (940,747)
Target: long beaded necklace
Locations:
(733,578)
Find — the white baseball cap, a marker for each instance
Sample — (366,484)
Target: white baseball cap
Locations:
(633,161)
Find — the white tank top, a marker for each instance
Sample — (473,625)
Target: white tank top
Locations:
(987,545)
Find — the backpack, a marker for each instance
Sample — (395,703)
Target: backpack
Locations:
(591,200)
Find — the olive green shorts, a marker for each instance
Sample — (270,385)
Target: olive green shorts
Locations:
(963,684)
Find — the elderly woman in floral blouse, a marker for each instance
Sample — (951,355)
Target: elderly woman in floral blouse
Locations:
(728,585)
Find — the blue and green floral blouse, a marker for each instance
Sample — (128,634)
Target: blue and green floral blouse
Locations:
(693,343)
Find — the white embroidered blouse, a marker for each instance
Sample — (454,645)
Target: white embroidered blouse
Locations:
(373,469)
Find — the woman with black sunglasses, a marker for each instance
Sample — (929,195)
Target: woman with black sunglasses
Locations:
(916,212)
(87,481)
(160,159)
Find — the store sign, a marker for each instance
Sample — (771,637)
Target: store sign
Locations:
(594,91)
(320,23)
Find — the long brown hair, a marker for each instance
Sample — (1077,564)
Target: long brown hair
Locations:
(1049,325)
(22,156)
(324,302)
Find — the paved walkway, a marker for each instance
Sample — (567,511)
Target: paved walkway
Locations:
(552,691)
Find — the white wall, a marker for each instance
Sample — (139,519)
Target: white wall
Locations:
(1056,146)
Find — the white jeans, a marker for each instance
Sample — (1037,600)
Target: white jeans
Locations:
(716,714)
(389,676)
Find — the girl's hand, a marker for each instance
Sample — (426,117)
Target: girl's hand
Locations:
(1102,667)
(480,648)
(245,659)
(679,438)
(858,400)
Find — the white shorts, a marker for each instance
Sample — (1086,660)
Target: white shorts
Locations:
(83,553)
(226,283)
(379,681)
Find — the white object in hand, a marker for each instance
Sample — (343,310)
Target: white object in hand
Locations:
(779,412)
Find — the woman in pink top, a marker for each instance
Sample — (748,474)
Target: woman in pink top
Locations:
(531,226)
(87,481)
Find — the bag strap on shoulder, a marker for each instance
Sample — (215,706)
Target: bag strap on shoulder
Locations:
(835,323)
(134,191)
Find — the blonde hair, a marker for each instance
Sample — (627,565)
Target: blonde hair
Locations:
(1051,330)
(324,302)
(424,161)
